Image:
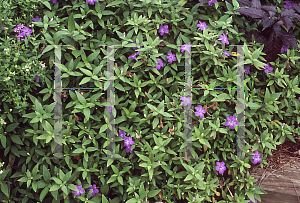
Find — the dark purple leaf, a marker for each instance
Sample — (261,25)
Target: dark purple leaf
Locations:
(288,39)
(296,6)
(269,8)
(272,47)
(277,28)
(267,23)
(287,12)
(258,37)
(244,3)
(256,4)
(252,12)
(287,22)
(297,16)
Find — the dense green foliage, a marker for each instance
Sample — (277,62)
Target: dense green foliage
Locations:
(147,101)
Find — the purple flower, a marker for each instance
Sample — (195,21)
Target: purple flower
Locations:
(226,53)
(20,36)
(211,2)
(122,134)
(163,29)
(268,68)
(36,19)
(256,157)
(171,57)
(134,55)
(91,1)
(186,100)
(81,191)
(109,108)
(251,201)
(231,121)
(200,111)
(128,142)
(27,31)
(19,27)
(221,167)
(284,48)
(224,39)
(2,27)
(247,69)
(159,64)
(37,78)
(202,26)
(65,127)
(53,1)
(185,47)
(134,48)
(288,5)
(128,149)
(94,190)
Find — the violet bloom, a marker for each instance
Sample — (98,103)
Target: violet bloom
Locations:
(2,27)
(27,31)
(36,19)
(247,69)
(211,2)
(226,53)
(134,55)
(128,149)
(20,36)
(128,142)
(171,57)
(221,167)
(284,48)
(159,64)
(109,108)
(200,111)
(186,100)
(77,193)
(268,68)
(288,5)
(65,127)
(251,201)
(37,78)
(53,1)
(18,28)
(94,190)
(91,1)
(163,29)
(202,26)
(134,48)
(256,158)
(122,134)
(185,47)
(231,121)
(224,39)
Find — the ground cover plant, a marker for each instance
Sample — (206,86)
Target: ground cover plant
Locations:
(149,100)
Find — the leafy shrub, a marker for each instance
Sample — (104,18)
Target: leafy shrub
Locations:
(149,102)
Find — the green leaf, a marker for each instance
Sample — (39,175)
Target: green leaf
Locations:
(4,188)
(80,98)
(149,11)
(54,187)
(85,80)
(71,23)
(46,174)
(267,98)
(48,48)
(3,141)
(86,112)
(221,97)
(113,3)
(253,105)
(11,127)
(155,122)
(120,180)
(153,193)
(47,4)
(92,56)
(44,193)
(16,139)
(87,72)
(138,63)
